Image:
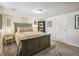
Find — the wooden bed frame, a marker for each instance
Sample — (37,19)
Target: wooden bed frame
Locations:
(33,45)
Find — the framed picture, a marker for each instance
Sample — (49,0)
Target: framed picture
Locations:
(23,19)
(77,22)
(8,21)
(35,22)
(49,23)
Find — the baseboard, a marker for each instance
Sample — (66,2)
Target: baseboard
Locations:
(69,43)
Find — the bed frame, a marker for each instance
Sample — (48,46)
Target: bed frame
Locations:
(33,45)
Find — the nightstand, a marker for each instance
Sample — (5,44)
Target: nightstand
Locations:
(8,38)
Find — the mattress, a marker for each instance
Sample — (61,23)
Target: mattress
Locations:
(27,35)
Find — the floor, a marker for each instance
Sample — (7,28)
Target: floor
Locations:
(56,49)
(9,50)
(59,49)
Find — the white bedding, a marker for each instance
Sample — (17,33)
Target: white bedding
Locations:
(26,35)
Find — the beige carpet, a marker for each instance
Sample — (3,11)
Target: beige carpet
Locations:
(56,49)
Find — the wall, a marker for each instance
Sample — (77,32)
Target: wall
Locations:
(0,32)
(63,28)
(14,17)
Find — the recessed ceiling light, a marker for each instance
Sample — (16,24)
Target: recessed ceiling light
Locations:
(39,11)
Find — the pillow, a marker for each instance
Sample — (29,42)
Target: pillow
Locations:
(29,29)
(21,29)
(24,29)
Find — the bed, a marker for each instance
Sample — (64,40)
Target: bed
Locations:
(28,41)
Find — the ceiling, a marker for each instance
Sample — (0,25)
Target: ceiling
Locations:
(51,8)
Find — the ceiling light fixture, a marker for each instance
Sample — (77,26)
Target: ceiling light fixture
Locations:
(38,11)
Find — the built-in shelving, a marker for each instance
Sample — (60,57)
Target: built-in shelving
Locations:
(41,26)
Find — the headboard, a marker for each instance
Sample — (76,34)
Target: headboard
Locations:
(16,25)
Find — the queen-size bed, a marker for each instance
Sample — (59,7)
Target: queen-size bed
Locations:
(28,41)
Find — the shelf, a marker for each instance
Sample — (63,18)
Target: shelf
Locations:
(41,26)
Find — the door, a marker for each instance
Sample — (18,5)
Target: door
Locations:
(61,28)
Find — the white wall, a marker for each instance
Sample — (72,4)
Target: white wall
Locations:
(14,17)
(63,28)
